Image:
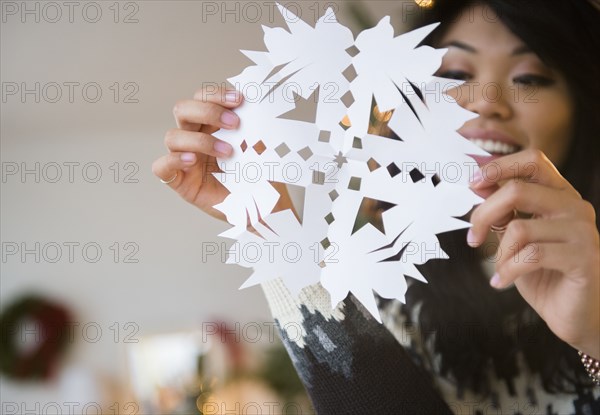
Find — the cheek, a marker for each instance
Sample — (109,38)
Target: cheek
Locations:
(548,126)
(455,93)
(462,94)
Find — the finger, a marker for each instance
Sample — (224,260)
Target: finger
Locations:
(529,165)
(526,197)
(521,232)
(485,192)
(533,257)
(191,113)
(229,98)
(167,166)
(188,141)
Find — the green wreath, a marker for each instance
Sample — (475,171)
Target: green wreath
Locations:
(40,361)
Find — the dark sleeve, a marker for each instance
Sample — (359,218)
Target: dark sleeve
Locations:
(349,363)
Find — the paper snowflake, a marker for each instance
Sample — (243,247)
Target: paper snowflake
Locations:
(423,176)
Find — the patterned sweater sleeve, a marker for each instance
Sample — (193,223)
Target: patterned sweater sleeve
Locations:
(349,363)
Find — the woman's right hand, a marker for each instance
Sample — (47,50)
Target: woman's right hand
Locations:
(193,149)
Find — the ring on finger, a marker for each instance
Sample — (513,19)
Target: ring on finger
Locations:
(502,228)
(516,215)
(171,180)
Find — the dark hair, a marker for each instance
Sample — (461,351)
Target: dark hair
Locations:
(494,326)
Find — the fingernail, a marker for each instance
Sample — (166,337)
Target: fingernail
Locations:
(188,157)
(471,238)
(223,147)
(229,118)
(495,281)
(476,179)
(232,96)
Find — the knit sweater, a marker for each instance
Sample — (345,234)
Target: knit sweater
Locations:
(351,364)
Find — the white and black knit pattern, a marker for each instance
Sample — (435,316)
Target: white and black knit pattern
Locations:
(351,364)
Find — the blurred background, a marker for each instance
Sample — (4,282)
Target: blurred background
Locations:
(109,300)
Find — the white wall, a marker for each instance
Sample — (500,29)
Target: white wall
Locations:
(167,54)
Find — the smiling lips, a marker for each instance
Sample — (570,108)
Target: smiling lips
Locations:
(494,147)
(494,142)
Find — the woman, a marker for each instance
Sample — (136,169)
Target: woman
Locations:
(495,336)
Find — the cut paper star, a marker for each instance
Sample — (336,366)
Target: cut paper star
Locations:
(423,175)
(385,67)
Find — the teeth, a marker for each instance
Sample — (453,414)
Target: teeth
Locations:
(494,146)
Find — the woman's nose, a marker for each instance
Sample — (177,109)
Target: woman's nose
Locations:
(489,100)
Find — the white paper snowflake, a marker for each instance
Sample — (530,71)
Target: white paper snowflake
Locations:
(424,175)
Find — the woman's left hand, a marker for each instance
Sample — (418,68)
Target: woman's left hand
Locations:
(553,258)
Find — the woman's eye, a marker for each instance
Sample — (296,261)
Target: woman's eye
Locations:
(455,74)
(533,80)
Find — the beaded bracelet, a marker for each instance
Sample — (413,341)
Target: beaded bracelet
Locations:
(592,367)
